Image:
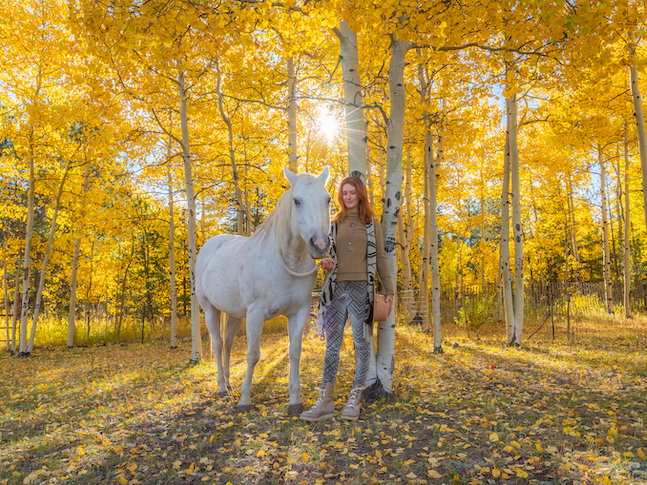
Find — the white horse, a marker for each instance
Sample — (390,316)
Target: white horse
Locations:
(271,273)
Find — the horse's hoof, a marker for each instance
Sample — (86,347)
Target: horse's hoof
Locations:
(295,409)
(222,394)
(243,408)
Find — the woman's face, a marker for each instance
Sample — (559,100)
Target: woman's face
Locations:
(350,198)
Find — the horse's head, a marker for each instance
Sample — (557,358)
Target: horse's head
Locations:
(311,210)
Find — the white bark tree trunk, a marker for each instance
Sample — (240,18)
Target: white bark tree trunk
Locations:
(15,308)
(292,117)
(571,210)
(381,167)
(171,253)
(431,225)
(627,244)
(43,271)
(405,235)
(517,229)
(6,294)
(27,258)
(196,337)
(240,210)
(423,292)
(71,324)
(504,257)
(369,178)
(606,254)
(385,358)
(640,122)
(353,99)
(434,165)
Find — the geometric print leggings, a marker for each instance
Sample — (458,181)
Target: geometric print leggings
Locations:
(350,298)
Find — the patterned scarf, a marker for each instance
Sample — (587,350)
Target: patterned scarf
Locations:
(331,277)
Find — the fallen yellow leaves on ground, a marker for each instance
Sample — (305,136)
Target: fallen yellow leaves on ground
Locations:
(477,413)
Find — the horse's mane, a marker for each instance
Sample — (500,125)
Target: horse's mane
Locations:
(280,219)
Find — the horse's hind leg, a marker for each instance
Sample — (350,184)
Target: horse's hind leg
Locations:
(212,319)
(233,326)
(254,328)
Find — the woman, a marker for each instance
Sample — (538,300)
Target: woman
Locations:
(357,251)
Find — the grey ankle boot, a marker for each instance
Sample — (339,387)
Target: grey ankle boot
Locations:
(351,411)
(324,408)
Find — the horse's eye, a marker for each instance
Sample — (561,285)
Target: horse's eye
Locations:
(297,202)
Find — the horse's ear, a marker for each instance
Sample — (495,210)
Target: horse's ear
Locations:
(292,178)
(324,175)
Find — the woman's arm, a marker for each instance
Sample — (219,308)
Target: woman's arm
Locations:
(382,265)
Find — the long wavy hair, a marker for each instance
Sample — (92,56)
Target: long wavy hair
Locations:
(364,209)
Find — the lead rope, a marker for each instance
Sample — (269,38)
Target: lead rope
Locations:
(288,270)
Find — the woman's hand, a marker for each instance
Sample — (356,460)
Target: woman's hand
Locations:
(389,300)
(327,264)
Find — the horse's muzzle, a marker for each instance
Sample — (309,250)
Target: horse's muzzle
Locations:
(319,247)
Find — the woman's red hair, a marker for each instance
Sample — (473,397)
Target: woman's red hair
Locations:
(364,209)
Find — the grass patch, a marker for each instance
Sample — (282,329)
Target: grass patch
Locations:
(480,413)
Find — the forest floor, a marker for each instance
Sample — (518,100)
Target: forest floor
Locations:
(480,413)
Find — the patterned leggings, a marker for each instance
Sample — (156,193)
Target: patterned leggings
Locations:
(350,299)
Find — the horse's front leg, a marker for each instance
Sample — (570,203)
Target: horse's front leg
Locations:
(254,328)
(296,324)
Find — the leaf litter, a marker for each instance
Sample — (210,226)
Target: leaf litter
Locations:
(478,414)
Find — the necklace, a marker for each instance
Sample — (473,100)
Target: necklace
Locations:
(350,245)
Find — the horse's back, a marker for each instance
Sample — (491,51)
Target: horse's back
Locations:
(218,271)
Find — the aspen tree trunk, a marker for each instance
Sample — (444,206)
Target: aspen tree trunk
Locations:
(15,308)
(88,295)
(606,256)
(6,294)
(27,256)
(571,210)
(43,271)
(385,358)
(431,225)
(619,213)
(196,336)
(71,325)
(406,292)
(240,214)
(516,221)
(202,218)
(292,117)
(434,166)
(171,253)
(423,293)
(248,208)
(482,228)
(369,178)
(381,167)
(504,257)
(353,100)
(627,246)
(613,237)
(404,236)
(640,121)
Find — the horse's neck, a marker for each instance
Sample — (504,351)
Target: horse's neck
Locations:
(292,245)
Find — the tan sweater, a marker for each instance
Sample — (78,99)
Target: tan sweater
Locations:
(351,265)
